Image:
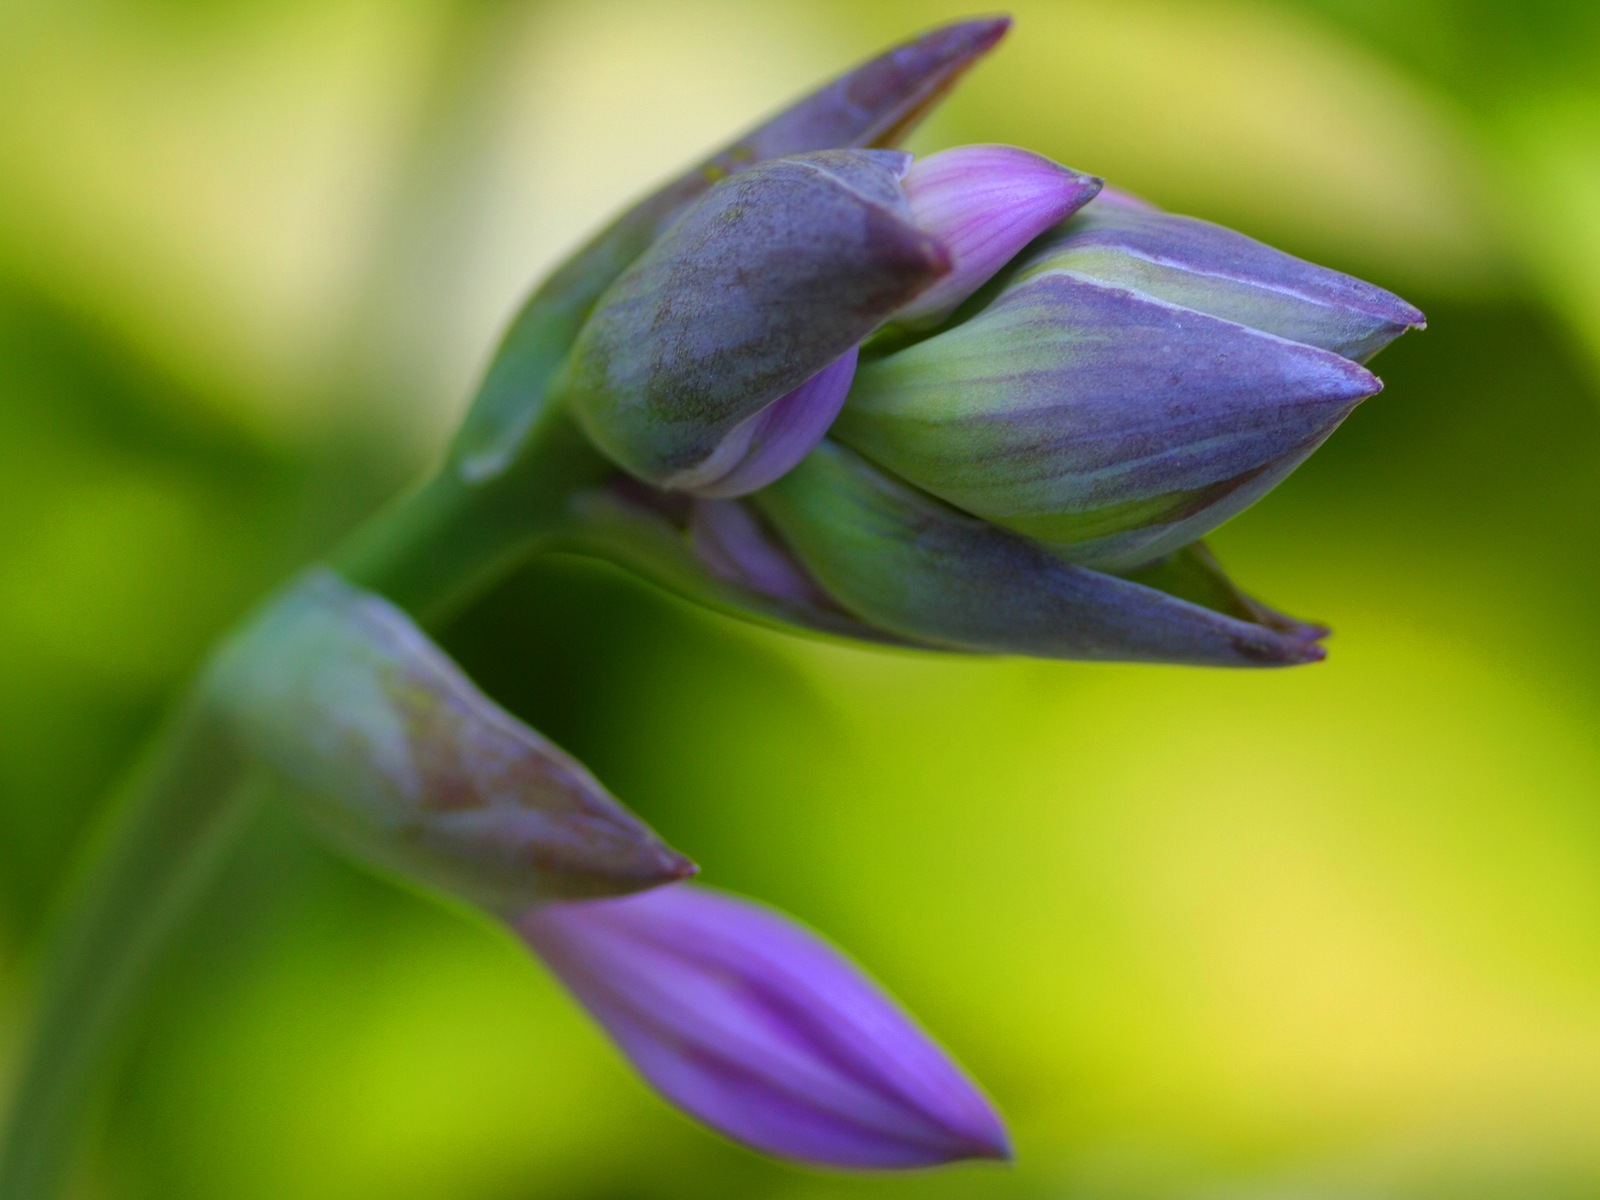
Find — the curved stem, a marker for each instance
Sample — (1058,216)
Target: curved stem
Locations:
(436,547)
(178,815)
(188,800)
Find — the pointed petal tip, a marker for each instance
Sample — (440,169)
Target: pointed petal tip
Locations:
(973,37)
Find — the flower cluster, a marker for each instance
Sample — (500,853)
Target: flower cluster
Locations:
(973,402)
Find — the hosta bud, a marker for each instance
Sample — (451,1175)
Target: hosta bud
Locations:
(399,757)
(913,567)
(1115,427)
(765,1032)
(1205,267)
(984,204)
(775,274)
(873,105)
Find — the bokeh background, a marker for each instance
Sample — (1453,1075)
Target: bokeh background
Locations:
(1332,932)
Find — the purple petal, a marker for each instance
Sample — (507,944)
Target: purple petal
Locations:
(985,203)
(872,105)
(763,1031)
(777,273)
(769,444)
(1215,270)
(1108,424)
(906,563)
(729,540)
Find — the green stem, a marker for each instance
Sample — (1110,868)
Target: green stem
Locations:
(437,547)
(180,812)
(187,803)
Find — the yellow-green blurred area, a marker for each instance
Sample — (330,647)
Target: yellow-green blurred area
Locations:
(1326,933)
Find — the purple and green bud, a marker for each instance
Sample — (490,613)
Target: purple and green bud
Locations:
(758,1027)
(725,353)
(915,568)
(1196,265)
(984,204)
(776,275)
(873,105)
(1110,425)
(402,760)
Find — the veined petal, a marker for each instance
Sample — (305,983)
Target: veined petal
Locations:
(777,273)
(984,204)
(1215,270)
(759,1028)
(1113,426)
(908,564)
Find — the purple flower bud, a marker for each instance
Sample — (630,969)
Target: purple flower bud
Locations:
(762,1030)
(984,204)
(909,565)
(1115,427)
(776,273)
(1201,266)
(873,105)
(764,447)
(398,756)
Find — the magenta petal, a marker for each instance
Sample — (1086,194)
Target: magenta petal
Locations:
(984,204)
(762,1030)
(768,445)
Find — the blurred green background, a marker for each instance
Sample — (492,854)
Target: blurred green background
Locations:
(1332,932)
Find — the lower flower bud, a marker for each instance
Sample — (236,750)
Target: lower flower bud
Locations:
(759,1028)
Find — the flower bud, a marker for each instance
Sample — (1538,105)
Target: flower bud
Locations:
(915,568)
(873,105)
(775,274)
(398,756)
(1197,265)
(984,204)
(759,1028)
(1112,426)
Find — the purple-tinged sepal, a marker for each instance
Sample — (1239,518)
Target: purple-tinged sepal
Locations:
(1208,268)
(984,204)
(721,554)
(1111,425)
(873,105)
(776,274)
(909,565)
(1194,574)
(397,756)
(759,1028)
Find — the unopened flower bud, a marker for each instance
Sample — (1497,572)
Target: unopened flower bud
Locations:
(1210,269)
(913,567)
(775,274)
(874,104)
(399,757)
(1115,427)
(759,1028)
(984,204)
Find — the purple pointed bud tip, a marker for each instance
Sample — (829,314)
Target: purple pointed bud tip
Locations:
(985,203)
(759,1028)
